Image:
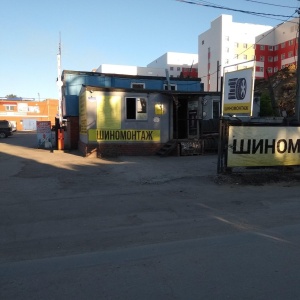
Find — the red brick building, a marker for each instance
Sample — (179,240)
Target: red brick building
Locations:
(24,112)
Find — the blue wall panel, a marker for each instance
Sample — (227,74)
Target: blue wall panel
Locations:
(73,82)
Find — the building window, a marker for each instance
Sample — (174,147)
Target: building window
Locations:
(261,69)
(270,70)
(216,109)
(290,54)
(262,58)
(227,38)
(283,56)
(10,107)
(275,69)
(282,45)
(270,58)
(291,42)
(245,56)
(236,45)
(136,108)
(172,86)
(270,48)
(34,109)
(138,86)
(202,42)
(262,47)
(178,68)
(276,58)
(171,68)
(227,50)
(245,46)
(276,47)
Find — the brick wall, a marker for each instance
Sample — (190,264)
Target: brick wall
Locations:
(119,149)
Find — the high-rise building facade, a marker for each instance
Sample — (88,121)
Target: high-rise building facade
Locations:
(226,46)
(276,49)
(177,64)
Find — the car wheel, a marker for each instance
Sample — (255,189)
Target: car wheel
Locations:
(2,135)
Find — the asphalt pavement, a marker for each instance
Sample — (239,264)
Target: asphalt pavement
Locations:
(141,228)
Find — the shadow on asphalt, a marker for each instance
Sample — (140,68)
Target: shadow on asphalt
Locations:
(28,139)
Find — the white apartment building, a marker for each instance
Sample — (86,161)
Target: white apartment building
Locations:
(226,44)
(175,63)
(130,70)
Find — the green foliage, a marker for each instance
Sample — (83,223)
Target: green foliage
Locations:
(11,96)
(266,109)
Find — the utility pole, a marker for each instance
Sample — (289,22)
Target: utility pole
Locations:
(297,104)
(59,83)
(60,130)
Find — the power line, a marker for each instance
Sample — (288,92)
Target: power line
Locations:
(271,4)
(202,3)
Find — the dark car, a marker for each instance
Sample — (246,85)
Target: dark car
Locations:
(5,129)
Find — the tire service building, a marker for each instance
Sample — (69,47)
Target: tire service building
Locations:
(132,115)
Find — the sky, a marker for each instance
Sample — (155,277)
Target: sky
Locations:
(95,32)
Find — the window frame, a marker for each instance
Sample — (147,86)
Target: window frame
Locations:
(142,84)
(172,85)
(9,107)
(132,107)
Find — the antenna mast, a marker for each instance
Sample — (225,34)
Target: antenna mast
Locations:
(59,82)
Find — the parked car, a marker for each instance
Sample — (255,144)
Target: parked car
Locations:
(5,129)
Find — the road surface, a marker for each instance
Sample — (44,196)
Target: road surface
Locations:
(141,228)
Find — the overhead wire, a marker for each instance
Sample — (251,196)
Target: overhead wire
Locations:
(271,4)
(203,3)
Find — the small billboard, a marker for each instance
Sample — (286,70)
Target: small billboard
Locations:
(238,92)
(44,138)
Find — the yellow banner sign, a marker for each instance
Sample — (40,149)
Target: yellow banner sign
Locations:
(237,108)
(263,146)
(113,135)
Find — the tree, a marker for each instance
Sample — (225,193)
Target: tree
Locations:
(266,109)
(11,96)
